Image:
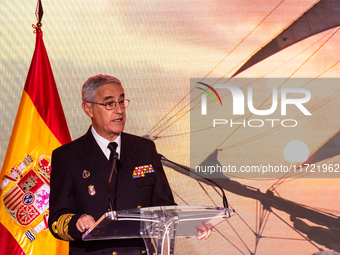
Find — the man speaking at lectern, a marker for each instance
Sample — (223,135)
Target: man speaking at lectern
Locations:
(81,170)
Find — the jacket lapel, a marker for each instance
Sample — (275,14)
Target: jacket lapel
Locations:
(128,161)
(94,158)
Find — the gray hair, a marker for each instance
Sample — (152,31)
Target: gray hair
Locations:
(89,89)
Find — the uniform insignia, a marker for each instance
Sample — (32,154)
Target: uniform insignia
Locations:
(92,191)
(86,174)
(141,171)
(60,227)
(28,197)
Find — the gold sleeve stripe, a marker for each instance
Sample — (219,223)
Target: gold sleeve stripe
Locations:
(60,227)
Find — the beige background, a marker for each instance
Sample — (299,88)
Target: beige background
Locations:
(155,47)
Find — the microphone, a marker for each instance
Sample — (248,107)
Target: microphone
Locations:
(112,203)
(225,201)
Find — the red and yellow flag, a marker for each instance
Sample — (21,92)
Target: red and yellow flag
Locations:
(39,128)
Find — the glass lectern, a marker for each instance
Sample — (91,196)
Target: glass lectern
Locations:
(156,225)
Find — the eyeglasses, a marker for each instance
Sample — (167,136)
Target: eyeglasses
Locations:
(111,105)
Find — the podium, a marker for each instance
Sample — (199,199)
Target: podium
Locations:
(156,225)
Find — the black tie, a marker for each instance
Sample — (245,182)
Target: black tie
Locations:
(112,146)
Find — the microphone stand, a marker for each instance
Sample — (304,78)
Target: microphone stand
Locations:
(225,201)
(112,203)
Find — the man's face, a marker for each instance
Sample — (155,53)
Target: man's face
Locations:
(107,123)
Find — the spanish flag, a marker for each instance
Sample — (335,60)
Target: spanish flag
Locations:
(39,128)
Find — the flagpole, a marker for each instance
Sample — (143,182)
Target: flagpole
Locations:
(39,128)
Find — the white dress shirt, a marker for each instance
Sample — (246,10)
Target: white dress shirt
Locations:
(103,143)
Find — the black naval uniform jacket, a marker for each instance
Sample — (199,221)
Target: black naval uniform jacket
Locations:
(79,177)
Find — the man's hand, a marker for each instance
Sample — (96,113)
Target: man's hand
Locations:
(205,230)
(84,223)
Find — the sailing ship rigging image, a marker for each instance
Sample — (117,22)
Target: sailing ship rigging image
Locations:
(238,95)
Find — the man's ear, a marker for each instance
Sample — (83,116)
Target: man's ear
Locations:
(87,108)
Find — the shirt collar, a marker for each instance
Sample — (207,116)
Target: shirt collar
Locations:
(103,143)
